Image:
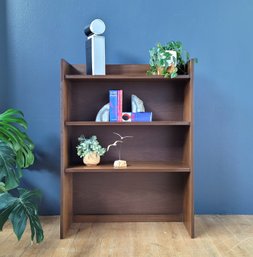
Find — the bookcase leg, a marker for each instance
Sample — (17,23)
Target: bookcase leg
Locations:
(188,216)
(66,204)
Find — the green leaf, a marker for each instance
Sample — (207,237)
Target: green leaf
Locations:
(12,126)
(6,199)
(2,187)
(18,210)
(18,219)
(173,75)
(8,168)
(4,215)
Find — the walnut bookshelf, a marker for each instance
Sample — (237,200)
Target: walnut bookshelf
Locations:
(158,183)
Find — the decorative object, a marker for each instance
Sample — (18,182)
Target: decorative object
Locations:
(116,96)
(90,150)
(103,114)
(168,60)
(137,104)
(91,159)
(126,116)
(137,116)
(119,163)
(16,153)
(95,48)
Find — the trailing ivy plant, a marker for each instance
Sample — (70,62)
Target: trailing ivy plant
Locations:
(16,153)
(162,61)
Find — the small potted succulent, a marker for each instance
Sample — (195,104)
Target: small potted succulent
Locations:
(90,150)
(168,60)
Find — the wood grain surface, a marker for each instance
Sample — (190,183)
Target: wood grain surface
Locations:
(216,236)
(161,188)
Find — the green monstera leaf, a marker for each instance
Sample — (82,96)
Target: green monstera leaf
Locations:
(12,126)
(20,209)
(9,171)
(16,153)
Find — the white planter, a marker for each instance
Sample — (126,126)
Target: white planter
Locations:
(91,159)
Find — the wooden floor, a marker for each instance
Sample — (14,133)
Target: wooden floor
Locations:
(215,236)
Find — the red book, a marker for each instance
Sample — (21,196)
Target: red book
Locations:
(119,107)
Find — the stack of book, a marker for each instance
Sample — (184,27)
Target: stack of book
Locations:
(116,107)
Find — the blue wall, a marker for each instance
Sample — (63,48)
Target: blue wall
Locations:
(39,33)
(3,57)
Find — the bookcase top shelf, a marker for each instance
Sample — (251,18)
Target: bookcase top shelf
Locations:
(130,72)
(123,77)
(153,123)
(132,167)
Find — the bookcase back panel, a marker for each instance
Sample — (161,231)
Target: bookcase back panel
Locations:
(127,193)
(149,143)
(165,100)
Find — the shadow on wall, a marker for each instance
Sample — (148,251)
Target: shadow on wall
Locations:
(44,175)
(46,159)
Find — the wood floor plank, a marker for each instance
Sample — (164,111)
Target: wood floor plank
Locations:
(216,236)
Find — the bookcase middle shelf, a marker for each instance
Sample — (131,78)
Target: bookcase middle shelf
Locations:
(133,167)
(153,123)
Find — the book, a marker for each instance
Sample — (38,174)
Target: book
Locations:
(141,117)
(120,102)
(113,110)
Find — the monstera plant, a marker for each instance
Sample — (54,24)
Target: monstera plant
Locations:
(16,153)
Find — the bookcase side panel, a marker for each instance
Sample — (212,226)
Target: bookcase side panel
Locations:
(189,188)
(66,179)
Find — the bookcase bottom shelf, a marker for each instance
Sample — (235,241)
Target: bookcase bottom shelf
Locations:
(128,218)
(127,197)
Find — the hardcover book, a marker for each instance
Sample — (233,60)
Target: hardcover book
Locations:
(113,99)
(142,116)
(120,102)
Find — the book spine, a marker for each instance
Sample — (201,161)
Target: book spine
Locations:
(142,117)
(113,99)
(120,102)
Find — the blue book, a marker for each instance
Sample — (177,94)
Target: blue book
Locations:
(142,116)
(113,99)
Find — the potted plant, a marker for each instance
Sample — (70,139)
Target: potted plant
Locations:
(168,60)
(16,153)
(90,150)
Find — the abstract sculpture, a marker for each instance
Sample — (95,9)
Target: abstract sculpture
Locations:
(103,114)
(119,163)
(137,104)
(95,48)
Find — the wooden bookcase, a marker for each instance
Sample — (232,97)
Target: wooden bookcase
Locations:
(158,183)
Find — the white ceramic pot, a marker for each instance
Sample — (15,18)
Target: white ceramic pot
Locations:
(91,159)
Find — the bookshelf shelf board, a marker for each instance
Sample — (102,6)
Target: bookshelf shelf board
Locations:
(132,167)
(123,77)
(153,123)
